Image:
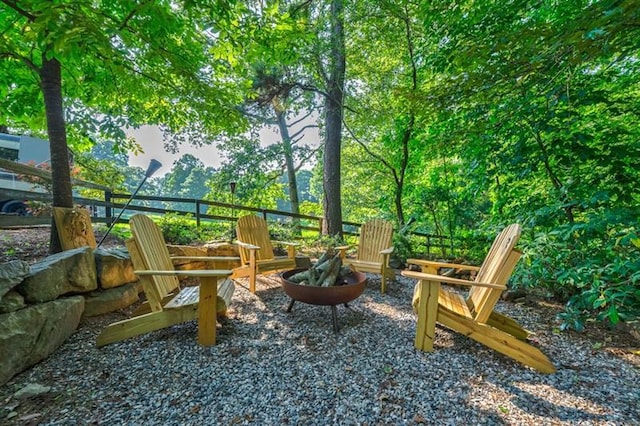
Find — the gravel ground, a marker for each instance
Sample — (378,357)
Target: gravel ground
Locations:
(274,367)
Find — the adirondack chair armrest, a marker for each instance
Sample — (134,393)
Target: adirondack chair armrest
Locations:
(207,258)
(343,250)
(422,262)
(449,280)
(193,273)
(247,245)
(387,251)
(291,247)
(286,243)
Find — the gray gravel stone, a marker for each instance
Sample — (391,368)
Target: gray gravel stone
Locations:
(274,367)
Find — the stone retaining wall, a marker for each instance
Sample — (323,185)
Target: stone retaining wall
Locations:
(41,304)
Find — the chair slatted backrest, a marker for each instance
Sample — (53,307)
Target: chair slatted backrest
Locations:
(253,229)
(375,235)
(496,269)
(153,255)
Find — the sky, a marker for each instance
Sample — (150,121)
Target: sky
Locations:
(150,138)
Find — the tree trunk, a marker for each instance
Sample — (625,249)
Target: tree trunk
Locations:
(402,170)
(555,181)
(332,205)
(51,81)
(291,171)
(409,129)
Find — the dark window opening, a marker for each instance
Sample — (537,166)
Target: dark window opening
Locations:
(9,154)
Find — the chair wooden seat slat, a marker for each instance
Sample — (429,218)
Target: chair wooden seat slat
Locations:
(454,302)
(256,251)
(187,296)
(167,303)
(474,316)
(374,250)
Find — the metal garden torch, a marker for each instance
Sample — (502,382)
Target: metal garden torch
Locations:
(154,165)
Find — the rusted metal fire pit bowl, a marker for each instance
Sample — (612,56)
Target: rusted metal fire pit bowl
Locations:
(327,296)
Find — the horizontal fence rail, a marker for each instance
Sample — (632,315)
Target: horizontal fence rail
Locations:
(102,211)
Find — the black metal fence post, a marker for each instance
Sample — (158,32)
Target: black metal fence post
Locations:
(107,207)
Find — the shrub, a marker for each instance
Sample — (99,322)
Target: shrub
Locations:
(595,271)
(180,229)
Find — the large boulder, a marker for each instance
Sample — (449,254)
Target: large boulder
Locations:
(11,301)
(11,274)
(226,250)
(208,250)
(30,335)
(68,272)
(186,264)
(114,267)
(103,301)
(178,250)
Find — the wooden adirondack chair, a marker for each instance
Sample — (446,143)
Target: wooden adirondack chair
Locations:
(167,303)
(474,316)
(256,251)
(374,250)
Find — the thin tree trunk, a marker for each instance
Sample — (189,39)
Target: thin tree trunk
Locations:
(555,181)
(332,205)
(402,170)
(51,82)
(291,171)
(410,127)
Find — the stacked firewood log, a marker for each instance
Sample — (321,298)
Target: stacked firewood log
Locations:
(327,271)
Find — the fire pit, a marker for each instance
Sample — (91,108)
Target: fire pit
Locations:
(328,296)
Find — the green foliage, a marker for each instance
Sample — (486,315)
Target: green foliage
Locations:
(189,179)
(595,270)
(311,208)
(182,230)
(122,65)
(123,232)
(282,231)
(255,171)
(402,249)
(403,244)
(466,115)
(323,243)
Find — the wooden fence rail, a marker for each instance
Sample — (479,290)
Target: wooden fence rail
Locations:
(103,209)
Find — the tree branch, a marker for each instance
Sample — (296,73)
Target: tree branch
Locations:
(371,153)
(263,119)
(306,158)
(131,14)
(20,58)
(308,126)
(295,141)
(301,119)
(13,5)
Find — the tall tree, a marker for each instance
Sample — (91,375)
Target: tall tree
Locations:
(188,178)
(386,122)
(282,97)
(255,169)
(113,63)
(335,78)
